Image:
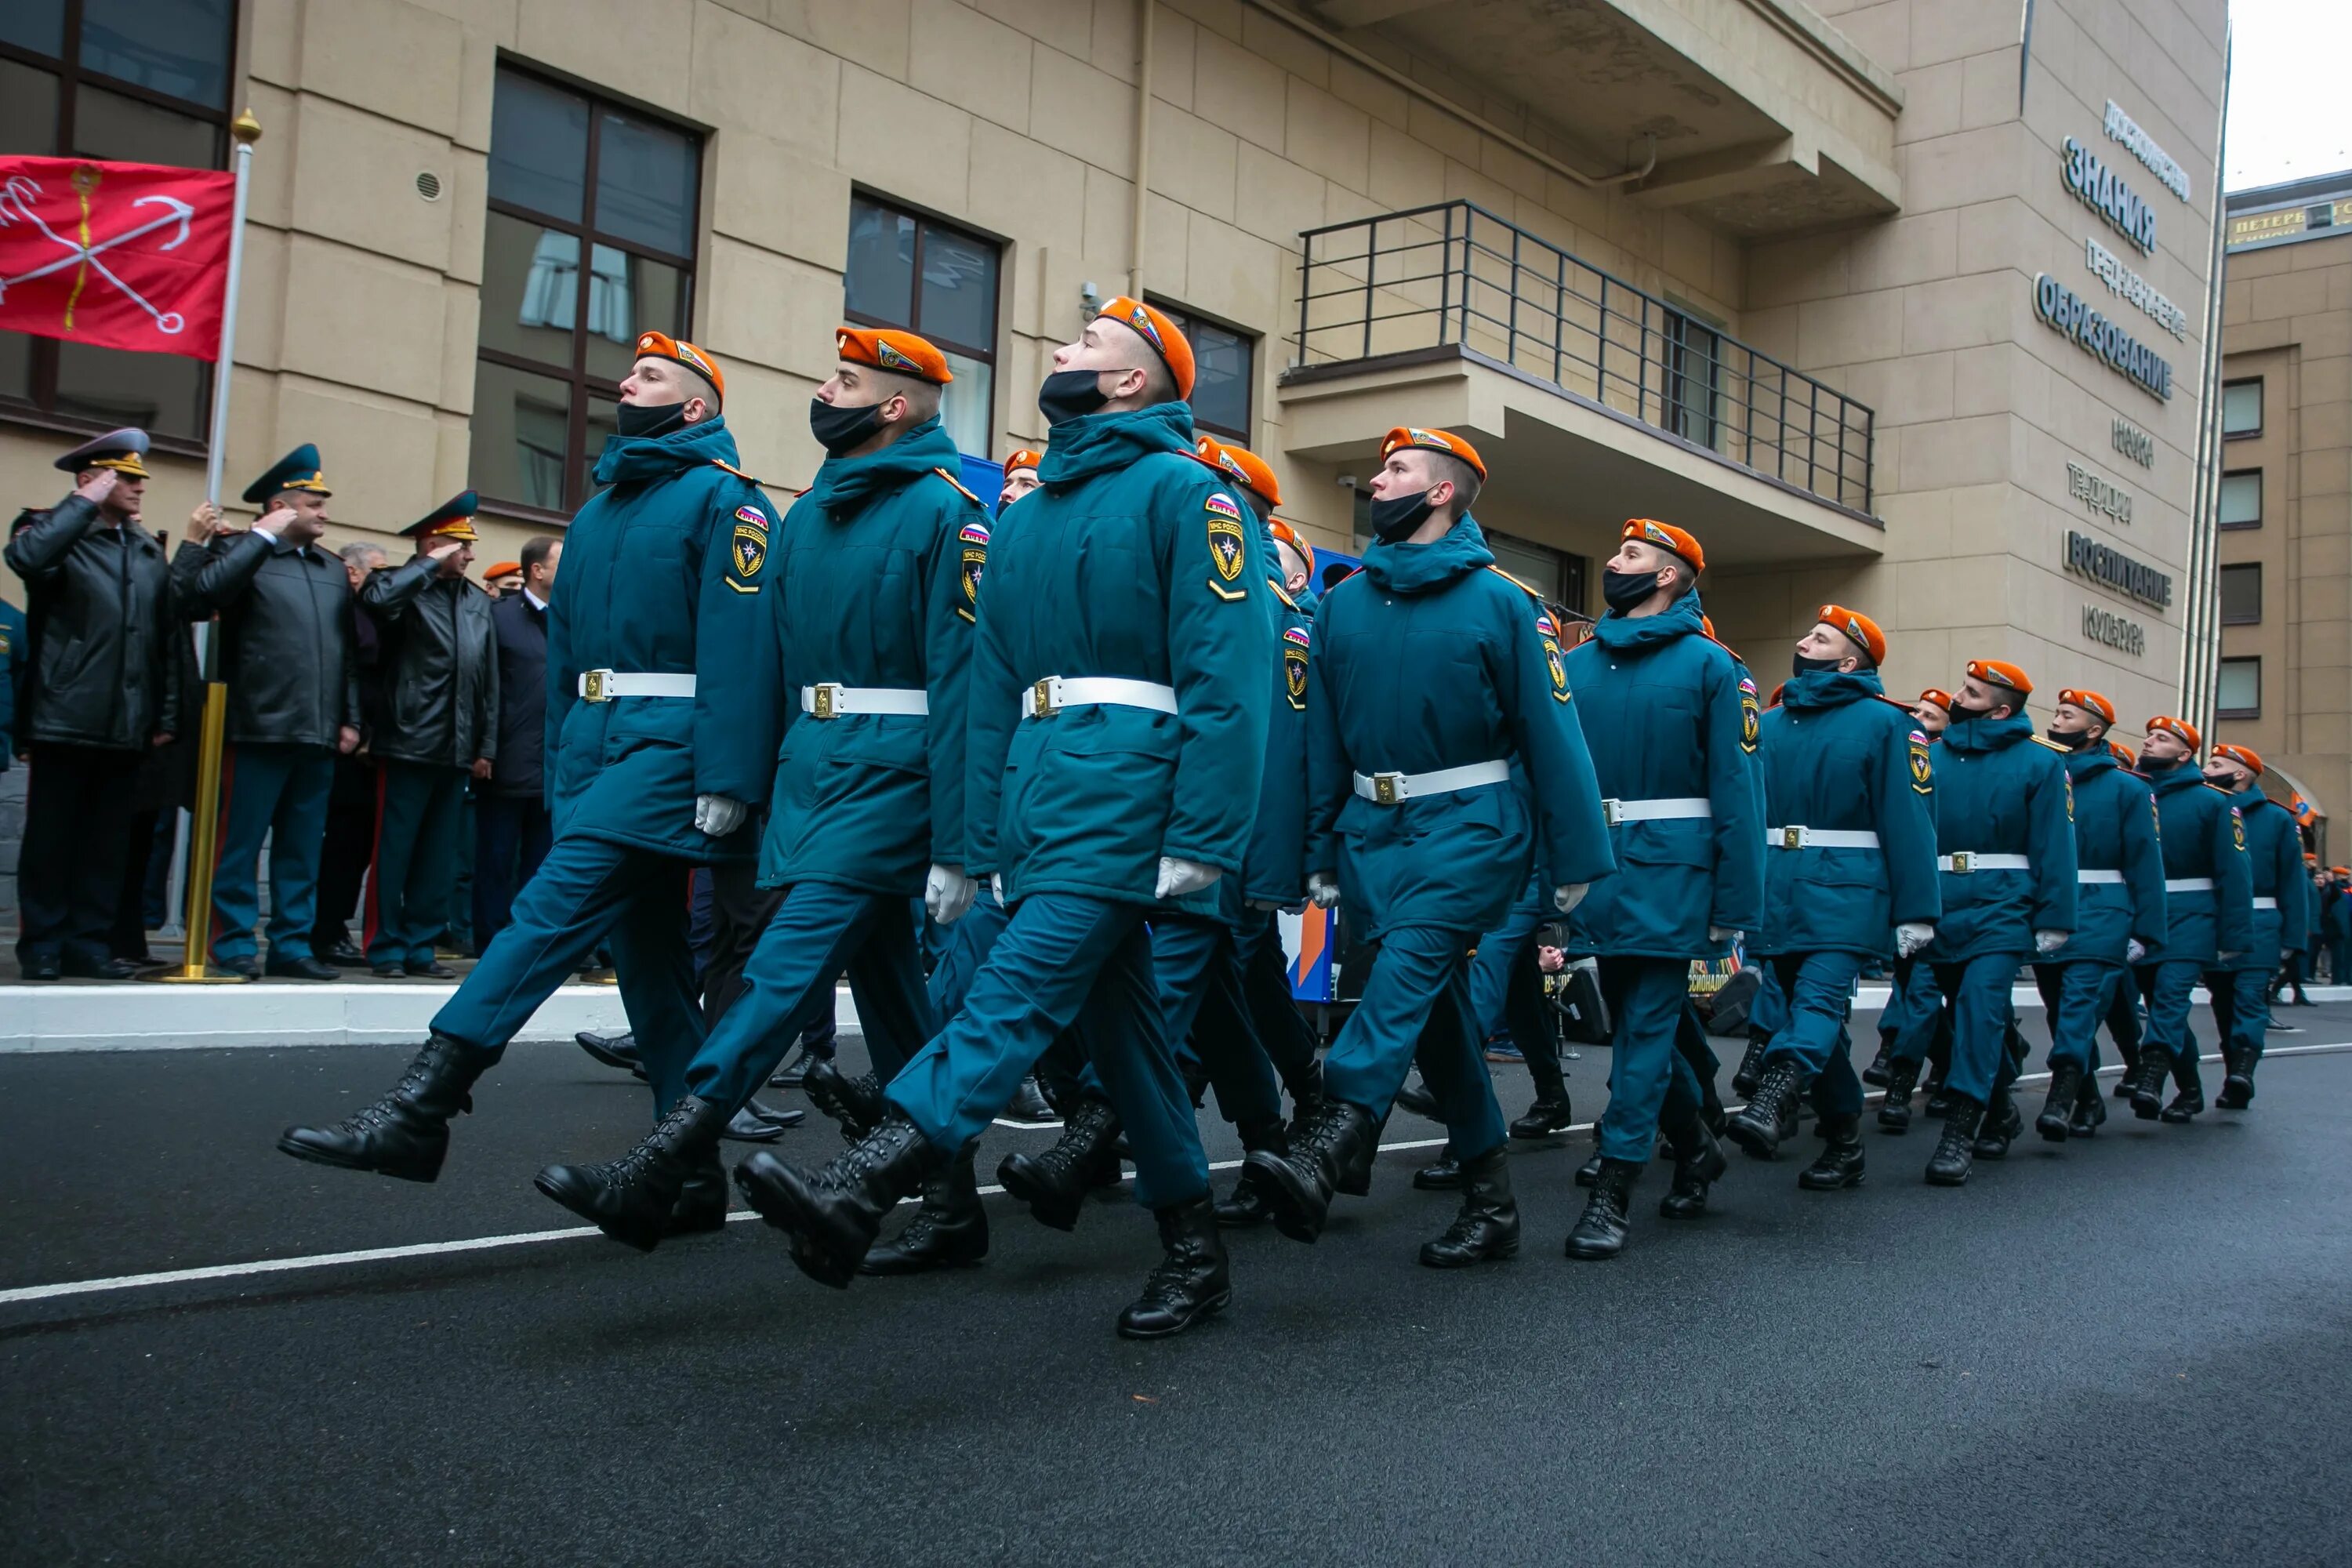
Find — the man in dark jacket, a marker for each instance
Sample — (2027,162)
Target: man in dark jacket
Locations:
(293,706)
(350,800)
(436,723)
(511,827)
(102,622)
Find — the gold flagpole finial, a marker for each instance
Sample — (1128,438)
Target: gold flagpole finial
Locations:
(246,127)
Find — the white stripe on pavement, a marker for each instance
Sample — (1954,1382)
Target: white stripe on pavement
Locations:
(573,1233)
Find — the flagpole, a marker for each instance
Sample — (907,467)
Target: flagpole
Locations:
(204,848)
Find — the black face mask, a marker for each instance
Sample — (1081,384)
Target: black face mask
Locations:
(643,420)
(1800,665)
(2148,764)
(2223,782)
(839,429)
(1395,519)
(1961,710)
(1623,590)
(2074,742)
(1070,395)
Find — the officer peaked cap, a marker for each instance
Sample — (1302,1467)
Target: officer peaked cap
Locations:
(119,450)
(297,470)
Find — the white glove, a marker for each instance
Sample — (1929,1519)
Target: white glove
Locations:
(1911,936)
(996,885)
(1567,895)
(2046,943)
(1177,877)
(946,894)
(718,816)
(1722,933)
(1323,890)
(2134,949)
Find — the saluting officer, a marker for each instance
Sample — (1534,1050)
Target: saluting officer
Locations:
(2118,911)
(2208,909)
(2241,990)
(664,709)
(1118,728)
(1850,875)
(877,567)
(292,664)
(1436,672)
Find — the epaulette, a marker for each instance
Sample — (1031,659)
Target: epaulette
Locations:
(960,490)
(1288,602)
(2229,794)
(1514,582)
(2052,745)
(1896,703)
(723,463)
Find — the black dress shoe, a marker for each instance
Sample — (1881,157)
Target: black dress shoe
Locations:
(1698,1166)
(618,1052)
(247,967)
(772,1116)
(343,955)
(1415,1097)
(1030,1108)
(1192,1282)
(405,1133)
(856,1103)
(1544,1118)
(77,967)
(387,971)
(1300,1185)
(1839,1165)
(1956,1145)
(832,1213)
(40,966)
(302,968)
(743,1127)
(1054,1185)
(1443,1174)
(431,969)
(1487,1229)
(948,1231)
(1759,1125)
(632,1199)
(1601,1231)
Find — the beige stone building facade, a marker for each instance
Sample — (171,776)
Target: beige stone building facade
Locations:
(1901,304)
(2285,538)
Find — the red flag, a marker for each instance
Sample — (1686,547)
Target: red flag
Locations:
(123,255)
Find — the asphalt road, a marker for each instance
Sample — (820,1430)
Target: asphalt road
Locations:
(2135,1351)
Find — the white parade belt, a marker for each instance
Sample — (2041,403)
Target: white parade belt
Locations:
(2087,878)
(831,700)
(1965,860)
(1688,807)
(1795,837)
(603,685)
(2265,903)
(2188,884)
(1388,789)
(1056,692)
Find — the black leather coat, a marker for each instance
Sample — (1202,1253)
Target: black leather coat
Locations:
(100,624)
(437,670)
(286,635)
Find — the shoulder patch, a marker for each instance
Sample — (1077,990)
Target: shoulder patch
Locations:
(752,514)
(959,486)
(1748,684)
(1923,773)
(1223,505)
(1294,666)
(2238,825)
(1298,635)
(722,463)
(1751,722)
(1546,624)
(973,533)
(1515,583)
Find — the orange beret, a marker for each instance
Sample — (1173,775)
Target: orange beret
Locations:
(2122,753)
(1859,628)
(661,345)
(2244,756)
(1024,458)
(1940,698)
(1296,540)
(2000,672)
(1154,327)
(1246,467)
(1436,441)
(2091,700)
(2181,727)
(503,569)
(1666,536)
(901,354)
(2341,870)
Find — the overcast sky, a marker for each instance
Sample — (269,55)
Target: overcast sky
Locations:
(2290,90)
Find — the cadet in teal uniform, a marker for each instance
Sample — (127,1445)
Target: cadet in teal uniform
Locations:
(2006,846)
(12,672)
(2118,911)
(876,573)
(1931,713)
(1673,721)
(1118,728)
(1850,875)
(1434,671)
(2208,909)
(2241,991)
(663,712)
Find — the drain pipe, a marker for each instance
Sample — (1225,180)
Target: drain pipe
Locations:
(1142,143)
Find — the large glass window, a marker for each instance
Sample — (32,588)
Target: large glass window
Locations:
(589,241)
(2241,499)
(2241,407)
(2241,594)
(142,82)
(2241,692)
(1225,363)
(921,275)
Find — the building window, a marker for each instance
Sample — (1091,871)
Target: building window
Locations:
(142,82)
(1694,378)
(1225,362)
(921,275)
(2241,499)
(2241,694)
(2241,594)
(590,240)
(2241,407)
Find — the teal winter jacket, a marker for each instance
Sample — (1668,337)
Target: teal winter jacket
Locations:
(2274,860)
(2119,860)
(2204,842)
(2000,789)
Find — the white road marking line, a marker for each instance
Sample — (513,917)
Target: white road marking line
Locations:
(574,1233)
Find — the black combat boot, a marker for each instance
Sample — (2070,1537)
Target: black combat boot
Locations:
(405,1133)
(2000,1125)
(1750,1070)
(702,1203)
(1190,1283)
(1300,1185)
(1305,1091)
(1956,1149)
(2238,1082)
(1054,1185)
(1600,1233)
(1589,1172)
(854,1102)
(2148,1089)
(1443,1174)
(2057,1118)
(948,1231)
(2128,1085)
(1698,1166)
(1895,1116)
(833,1212)
(1487,1229)
(1247,1208)
(1761,1124)
(1544,1118)
(630,1199)
(2188,1102)
(1415,1097)
(1839,1165)
(2090,1109)
(1940,1102)
(1876,1074)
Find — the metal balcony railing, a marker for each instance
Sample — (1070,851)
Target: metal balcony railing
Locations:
(1454,275)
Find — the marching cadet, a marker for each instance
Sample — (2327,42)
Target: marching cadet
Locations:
(878,568)
(1434,671)
(1931,713)
(2242,991)
(663,705)
(290,659)
(2209,910)
(2118,911)
(1850,875)
(2006,846)
(102,691)
(1118,729)
(1672,719)
(1020,477)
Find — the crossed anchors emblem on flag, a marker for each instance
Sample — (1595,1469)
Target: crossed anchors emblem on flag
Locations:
(17,200)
